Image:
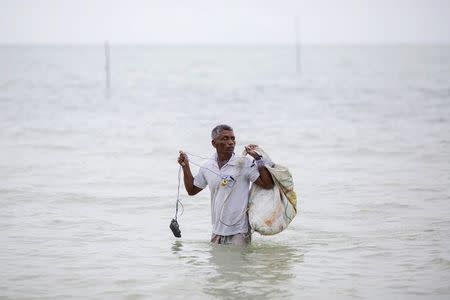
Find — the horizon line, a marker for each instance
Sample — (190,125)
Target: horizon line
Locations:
(291,44)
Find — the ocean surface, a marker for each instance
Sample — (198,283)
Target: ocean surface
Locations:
(88,183)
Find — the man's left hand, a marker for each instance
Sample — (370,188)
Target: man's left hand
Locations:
(250,149)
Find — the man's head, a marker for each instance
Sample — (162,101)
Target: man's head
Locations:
(223,138)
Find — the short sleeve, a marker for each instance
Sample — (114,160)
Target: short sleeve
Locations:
(200,180)
(253,172)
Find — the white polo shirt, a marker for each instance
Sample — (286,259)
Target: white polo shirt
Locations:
(229,187)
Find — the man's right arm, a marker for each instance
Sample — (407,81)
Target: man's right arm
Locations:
(191,189)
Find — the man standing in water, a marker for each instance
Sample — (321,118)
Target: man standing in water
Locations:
(228,178)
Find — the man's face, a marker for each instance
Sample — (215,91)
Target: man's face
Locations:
(225,142)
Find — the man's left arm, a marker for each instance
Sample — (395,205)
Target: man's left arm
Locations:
(265,178)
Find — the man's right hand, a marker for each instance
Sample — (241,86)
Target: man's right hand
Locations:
(191,189)
(183,159)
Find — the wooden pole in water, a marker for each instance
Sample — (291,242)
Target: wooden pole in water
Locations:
(107,71)
(298,66)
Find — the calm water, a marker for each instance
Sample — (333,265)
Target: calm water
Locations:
(88,184)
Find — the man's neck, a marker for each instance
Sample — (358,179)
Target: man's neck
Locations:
(224,156)
(222,159)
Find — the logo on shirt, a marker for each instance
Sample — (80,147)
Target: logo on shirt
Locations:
(227,181)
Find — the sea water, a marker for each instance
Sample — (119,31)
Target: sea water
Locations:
(88,183)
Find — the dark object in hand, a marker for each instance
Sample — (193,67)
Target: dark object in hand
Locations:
(175,228)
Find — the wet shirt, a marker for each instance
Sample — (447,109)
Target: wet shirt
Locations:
(229,187)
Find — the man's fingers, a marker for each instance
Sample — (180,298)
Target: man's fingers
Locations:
(182,158)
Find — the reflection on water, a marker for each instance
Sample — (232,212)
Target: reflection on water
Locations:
(256,272)
(177,247)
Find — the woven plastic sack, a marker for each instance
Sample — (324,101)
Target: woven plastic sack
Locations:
(271,210)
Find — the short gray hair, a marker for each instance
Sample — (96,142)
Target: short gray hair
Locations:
(218,129)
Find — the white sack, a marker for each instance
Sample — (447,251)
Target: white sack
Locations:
(271,210)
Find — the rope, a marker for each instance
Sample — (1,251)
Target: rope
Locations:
(225,201)
(220,176)
(178,196)
(239,218)
(201,167)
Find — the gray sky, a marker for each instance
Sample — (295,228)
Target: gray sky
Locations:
(224,21)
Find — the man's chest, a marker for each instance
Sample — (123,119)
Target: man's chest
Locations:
(226,176)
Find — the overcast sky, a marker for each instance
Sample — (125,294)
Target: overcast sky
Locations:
(224,21)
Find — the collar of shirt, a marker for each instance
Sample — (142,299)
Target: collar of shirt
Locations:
(233,161)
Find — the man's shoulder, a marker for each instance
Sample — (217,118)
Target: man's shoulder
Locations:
(241,161)
(207,162)
(203,164)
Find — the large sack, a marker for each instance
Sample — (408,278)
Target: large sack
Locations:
(271,210)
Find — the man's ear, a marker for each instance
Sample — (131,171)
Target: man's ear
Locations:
(213,142)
